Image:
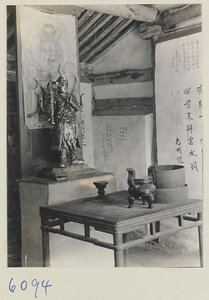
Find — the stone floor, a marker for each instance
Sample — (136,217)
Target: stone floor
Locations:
(177,250)
(155,255)
(149,255)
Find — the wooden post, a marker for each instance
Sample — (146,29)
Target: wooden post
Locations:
(200,235)
(25,133)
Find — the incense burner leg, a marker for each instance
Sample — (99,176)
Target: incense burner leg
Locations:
(131,200)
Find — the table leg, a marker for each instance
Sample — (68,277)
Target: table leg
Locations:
(154,228)
(45,243)
(87,231)
(125,252)
(118,254)
(200,235)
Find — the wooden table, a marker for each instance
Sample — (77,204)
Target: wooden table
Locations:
(117,219)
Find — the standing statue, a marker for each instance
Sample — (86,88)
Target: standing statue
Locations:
(63,107)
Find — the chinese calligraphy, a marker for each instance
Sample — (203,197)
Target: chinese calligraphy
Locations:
(186,57)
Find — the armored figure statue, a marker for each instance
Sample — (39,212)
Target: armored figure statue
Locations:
(63,107)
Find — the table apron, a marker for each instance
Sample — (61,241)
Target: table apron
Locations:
(125,226)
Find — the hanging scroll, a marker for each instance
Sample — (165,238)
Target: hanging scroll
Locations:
(179,107)
(48,44)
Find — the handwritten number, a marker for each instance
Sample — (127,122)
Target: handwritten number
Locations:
(22,285)
(36,284)
(45,286)
(12,288)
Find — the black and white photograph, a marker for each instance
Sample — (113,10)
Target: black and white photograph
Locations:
(105,144)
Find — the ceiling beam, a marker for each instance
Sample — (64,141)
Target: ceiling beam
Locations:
(123,106)
(59,9)
(134,12)
(121,77)
(175,16)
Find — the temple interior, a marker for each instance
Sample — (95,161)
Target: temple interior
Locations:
(94,91)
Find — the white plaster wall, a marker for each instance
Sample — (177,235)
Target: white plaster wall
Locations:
(116,153)
(116,149)
(130,52)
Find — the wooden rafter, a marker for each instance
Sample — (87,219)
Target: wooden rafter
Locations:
(91,31)
(85,15)
(105,34)
(10,10)
(105,43)
(10,20)
(82,29)
(11,29)
(99,36)
(11,32)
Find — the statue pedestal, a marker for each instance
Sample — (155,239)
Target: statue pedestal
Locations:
(38,191)
(69,173)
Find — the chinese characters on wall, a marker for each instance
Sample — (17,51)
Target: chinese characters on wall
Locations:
(192,110)
(186,57)
(113,136)
(179,106)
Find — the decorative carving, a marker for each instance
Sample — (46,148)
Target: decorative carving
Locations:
(147,31)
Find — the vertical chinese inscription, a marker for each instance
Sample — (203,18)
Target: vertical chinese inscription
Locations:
(107,142)
(186,57)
